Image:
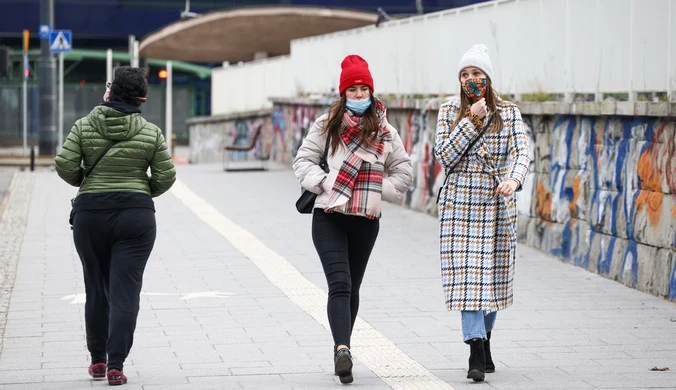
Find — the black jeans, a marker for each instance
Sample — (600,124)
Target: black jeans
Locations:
(344,245)
(114,247)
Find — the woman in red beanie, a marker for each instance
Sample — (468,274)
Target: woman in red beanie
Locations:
(366,164)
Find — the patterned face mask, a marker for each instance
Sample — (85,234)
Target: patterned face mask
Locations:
(475,88)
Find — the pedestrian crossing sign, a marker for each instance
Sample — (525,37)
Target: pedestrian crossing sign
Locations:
(60,41)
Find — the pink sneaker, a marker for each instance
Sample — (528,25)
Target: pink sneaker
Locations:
(116,377)
(98,370)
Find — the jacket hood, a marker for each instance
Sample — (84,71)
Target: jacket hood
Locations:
(115,125)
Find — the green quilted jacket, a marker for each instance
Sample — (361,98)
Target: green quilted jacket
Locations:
(140,145)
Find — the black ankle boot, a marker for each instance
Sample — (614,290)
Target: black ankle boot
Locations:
(490,366)
(343,365)
(477,360)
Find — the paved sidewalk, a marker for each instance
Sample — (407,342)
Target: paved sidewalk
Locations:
(215,316)
(6,175)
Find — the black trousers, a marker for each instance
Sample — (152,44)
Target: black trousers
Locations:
(344,244)
(114,247)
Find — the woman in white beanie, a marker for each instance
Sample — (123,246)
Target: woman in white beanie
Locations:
(482,145)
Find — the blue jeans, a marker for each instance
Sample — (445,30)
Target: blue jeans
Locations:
(475,324)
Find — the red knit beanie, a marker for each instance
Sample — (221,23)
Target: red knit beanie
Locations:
(355,71)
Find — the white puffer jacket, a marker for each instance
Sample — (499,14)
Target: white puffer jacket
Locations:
(397,177)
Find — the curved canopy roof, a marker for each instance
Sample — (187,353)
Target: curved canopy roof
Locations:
(237,34)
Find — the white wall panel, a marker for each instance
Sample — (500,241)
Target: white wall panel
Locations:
(555,46)
(248,87)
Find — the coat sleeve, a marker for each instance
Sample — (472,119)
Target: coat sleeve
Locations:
(518,148)
(162,170)
(69,160)
(399,172)
(306,164)
(451,143)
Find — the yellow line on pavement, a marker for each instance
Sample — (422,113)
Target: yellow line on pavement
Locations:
(370,346)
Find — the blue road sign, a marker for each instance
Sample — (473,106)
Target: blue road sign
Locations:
(44,31)
(60,41)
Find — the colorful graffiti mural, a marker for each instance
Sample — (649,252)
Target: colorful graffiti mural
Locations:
(208,139)
(417,129)
(601,191)
(605,199)
(282,134)
(291,123)
(242,133)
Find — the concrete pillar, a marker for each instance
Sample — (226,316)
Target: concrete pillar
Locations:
(47,87)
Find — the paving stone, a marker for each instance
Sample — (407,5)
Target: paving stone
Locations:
(565,327)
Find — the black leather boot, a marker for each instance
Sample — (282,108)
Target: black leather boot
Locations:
(490,366)
(477,360)
(343,365)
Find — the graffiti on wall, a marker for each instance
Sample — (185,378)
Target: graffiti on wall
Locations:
(601,191)
(281,135)
(249,133)
(417,130)
(605,198)
(208,140)
(291,124)
(303,119)
(278,134)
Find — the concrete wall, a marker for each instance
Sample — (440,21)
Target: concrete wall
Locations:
(208,136)
(601,192)
(604,196)
(247,87)
(573,46)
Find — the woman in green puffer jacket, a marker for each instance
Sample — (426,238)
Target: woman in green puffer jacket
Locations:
(113,214)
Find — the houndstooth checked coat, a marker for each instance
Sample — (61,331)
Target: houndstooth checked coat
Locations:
(478,227)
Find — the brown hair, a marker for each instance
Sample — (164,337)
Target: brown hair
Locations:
(493,101)
(369,120)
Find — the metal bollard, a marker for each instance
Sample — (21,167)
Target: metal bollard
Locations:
(32,158)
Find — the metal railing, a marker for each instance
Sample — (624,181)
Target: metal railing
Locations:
(78,102)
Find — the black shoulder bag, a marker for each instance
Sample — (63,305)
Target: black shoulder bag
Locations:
(306,202)
(86,174)
(471,145)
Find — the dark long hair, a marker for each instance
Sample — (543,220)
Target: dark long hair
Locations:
(493,102)
(369,120)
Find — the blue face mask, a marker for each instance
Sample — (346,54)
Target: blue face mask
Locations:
(358,106)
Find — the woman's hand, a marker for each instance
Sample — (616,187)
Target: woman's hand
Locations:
(479,108)
(507,187)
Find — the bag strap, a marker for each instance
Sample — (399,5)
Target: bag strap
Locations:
(326,148)
(471,145)
(89,171)
(464,154)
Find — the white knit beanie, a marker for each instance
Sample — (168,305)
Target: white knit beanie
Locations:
(477,56)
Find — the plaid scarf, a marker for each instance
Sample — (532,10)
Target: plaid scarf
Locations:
(359,185)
